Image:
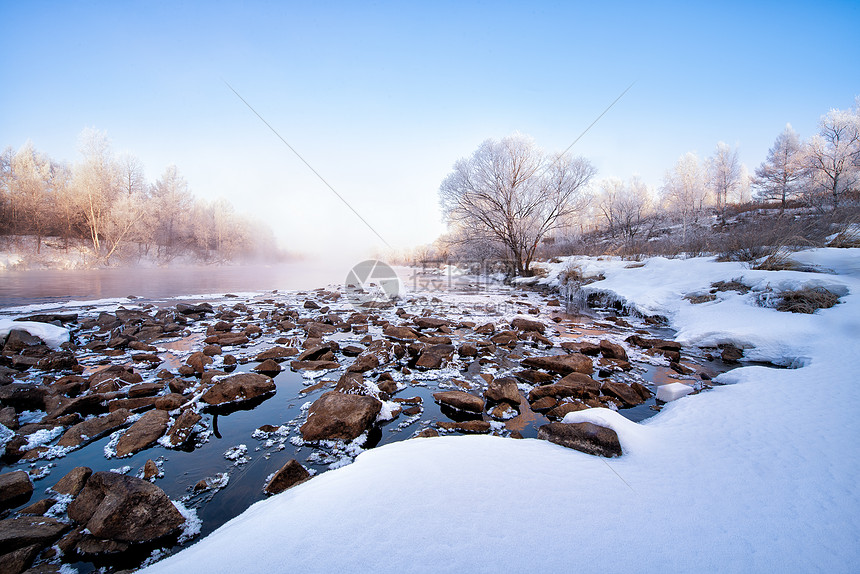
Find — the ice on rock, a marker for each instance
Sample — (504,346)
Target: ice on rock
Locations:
(673,391)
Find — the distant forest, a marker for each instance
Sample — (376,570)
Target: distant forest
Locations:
(104,205)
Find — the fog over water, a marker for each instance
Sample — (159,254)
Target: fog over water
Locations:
(45,286)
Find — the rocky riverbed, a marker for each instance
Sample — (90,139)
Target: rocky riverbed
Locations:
(158,421)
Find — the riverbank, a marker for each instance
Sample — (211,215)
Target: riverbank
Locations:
(501,362)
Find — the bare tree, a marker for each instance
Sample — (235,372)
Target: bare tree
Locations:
(511,192)
(833,154)
(782,174)
(723,173)
(172,210)
(684,190)
(96,182)
(31,176)
(623,206)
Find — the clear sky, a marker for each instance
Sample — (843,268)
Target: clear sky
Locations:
(382,97)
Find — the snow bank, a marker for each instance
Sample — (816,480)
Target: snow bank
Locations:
(52,335)
(755,476)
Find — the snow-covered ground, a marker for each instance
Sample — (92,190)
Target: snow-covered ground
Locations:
(755,476)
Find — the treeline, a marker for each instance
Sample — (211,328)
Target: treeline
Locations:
(105,203)
(701,206)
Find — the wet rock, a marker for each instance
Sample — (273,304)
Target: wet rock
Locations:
(170,401)
(313,365)
(534,377)
(38,508)
(228,339)
(352,351)
(289,475)
(16,533)
(435,357)
(583,347)
(276,353)
(15,488)
(622,392)
(731,354)
(427,433)
(460,400)
(143,433)
(561,410)
(340,416)
(363,363)
(268,367)
(653,343)
(641,390)
(124,508)
(574,385)
(466,426)
(400,333)
(238,388)
(198,362)
(612,350)
(585,437)
(144,389)
(523,324)
(503,390)
(544,404)
(182,428)
(92,429)
(73,482)
(562,364)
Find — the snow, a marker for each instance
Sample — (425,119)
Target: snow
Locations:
(757,475)
(6,435)
(52,335)
(673,391)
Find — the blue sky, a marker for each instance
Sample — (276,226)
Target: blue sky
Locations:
(382,98)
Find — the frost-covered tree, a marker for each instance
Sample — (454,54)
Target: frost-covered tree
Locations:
(623,205)
(511,192)
(97,183)
(723,173)
(684,191)
(783,172)
(833,155)
(31,178)
(172,202)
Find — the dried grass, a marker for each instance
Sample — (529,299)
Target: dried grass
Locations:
(806,300)
(733,285)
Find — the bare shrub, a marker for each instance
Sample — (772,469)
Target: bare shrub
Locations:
(733,285)
(806,300)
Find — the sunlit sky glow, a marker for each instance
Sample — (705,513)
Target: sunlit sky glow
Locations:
(382,98)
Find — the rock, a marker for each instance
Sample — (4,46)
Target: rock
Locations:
(38,508)
(612,350)
(92,429)
(311,304)
(317,352)
(400,333)
(18,340)
(134,405)
(585,437)
(182,428)
(238,388)
(430,322)
(9,417)
(142,433)
(340,416)
(641,390)
(427,433)
(314,365)
(24,396)
(351,351)
(318,330)
(170,401)
(544,404)
(486,329)
(57,361)
(562,364)
(288,476)
(212,350)
(460,400)
(468,350)
(150,470)
(144,390)
(73,481)
(268,367)
(435,357)
(89,547)
(561,410)
(505,339)
(15,488)
(653,343)
(583,347)
(466,426)
(574,385)
(534,377)
(503,390)
(16,533)
(125,374)
(276,353)
(351,383)
(363,363)
(622,392)
(18,560)
(198,362)
(124,508)
(503,412)
(731,354)
(523,324)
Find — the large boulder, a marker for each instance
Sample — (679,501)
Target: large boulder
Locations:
(585,437)
(288,476)
(340,416)
(119,507)
(142,433)
(561,364)
(238,388)
(15,487)
(460,400)
(95,428)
